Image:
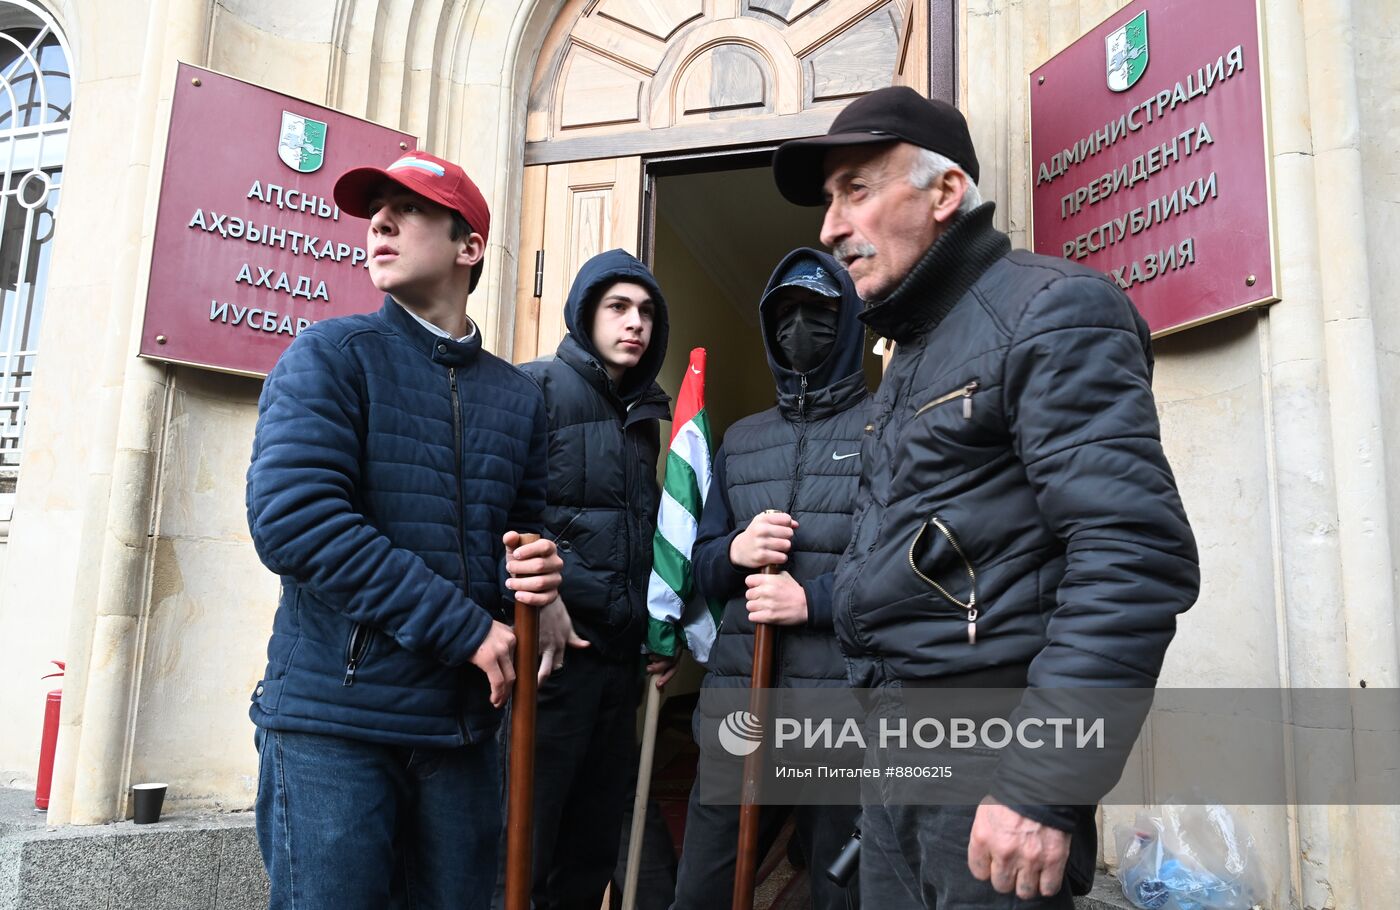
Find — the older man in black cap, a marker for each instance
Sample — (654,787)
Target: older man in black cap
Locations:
(1018,522)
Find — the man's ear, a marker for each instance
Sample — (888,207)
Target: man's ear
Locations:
(470,249)
(952,186)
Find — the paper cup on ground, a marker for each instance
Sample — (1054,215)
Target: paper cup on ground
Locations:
(148,800)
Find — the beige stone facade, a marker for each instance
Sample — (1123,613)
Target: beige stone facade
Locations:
(128,551)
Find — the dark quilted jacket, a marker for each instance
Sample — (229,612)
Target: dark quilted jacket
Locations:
(603,444)
(1015,454)
(386,466)
(1017,511)
(798,457)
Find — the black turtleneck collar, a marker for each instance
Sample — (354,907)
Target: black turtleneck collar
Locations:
(953,264)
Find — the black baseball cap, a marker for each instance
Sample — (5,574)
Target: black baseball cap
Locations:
(807,272)
(893,114)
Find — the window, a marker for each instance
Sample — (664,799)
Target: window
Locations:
(36,97)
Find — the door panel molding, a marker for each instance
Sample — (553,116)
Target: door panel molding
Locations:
(584,208)
(622,69)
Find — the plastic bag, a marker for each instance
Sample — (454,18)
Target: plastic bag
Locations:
(1188,858)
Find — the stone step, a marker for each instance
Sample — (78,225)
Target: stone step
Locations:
(204,862)
(198,862)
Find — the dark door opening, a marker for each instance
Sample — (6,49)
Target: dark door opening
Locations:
(714,229)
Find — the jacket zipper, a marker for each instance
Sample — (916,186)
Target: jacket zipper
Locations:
(630,466)
(461,496)
(562,538)
(355,652)
(965,393)
(801,443)
(792,497)
(628,471)
(970,607)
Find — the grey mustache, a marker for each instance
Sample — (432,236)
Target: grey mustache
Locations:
(849,250)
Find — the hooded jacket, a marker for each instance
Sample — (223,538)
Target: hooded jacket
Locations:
(798,457)
(604,439)
(386,465)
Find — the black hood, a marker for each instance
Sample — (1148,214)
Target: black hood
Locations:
(595,277)
(847,351)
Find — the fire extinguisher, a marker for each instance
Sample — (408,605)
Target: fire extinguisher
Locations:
(49,743)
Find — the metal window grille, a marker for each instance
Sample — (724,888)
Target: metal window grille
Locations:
(35,105)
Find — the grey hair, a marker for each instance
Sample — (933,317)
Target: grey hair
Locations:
(929,166)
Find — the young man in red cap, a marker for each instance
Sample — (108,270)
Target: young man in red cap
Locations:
(394,464)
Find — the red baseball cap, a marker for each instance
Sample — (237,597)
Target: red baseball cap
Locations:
(427,175)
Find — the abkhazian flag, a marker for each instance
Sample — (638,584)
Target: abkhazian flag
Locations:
(671,597)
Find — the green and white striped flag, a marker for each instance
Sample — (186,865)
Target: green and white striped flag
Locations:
(671,597)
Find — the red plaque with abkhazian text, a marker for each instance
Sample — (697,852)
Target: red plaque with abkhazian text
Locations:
(249,246)
(1149,159)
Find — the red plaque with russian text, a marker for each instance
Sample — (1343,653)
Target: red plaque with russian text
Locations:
(1149,159)
(249,246)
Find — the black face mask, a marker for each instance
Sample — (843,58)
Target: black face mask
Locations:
(806,336)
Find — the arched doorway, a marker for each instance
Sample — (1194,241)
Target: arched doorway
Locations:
(626,92)
(650,126)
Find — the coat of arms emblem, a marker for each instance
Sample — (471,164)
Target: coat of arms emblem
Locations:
(1125,50)
(302,143)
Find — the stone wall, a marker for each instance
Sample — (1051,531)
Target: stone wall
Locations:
(129,556)
(1276,423)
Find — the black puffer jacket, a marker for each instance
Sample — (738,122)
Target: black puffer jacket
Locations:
(603,444)
(800,457)
(1014,456)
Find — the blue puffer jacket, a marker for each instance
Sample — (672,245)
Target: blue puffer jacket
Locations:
(387,464)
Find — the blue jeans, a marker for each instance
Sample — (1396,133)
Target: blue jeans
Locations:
(345,825)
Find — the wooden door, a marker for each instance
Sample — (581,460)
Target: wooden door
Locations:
(621,79)
(571,212)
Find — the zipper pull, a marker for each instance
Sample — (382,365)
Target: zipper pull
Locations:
(967,399)
(355,652)
(802,397)
(972,626)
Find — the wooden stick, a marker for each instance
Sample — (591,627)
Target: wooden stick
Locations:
(520,802)
(746,858)
(639,804)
